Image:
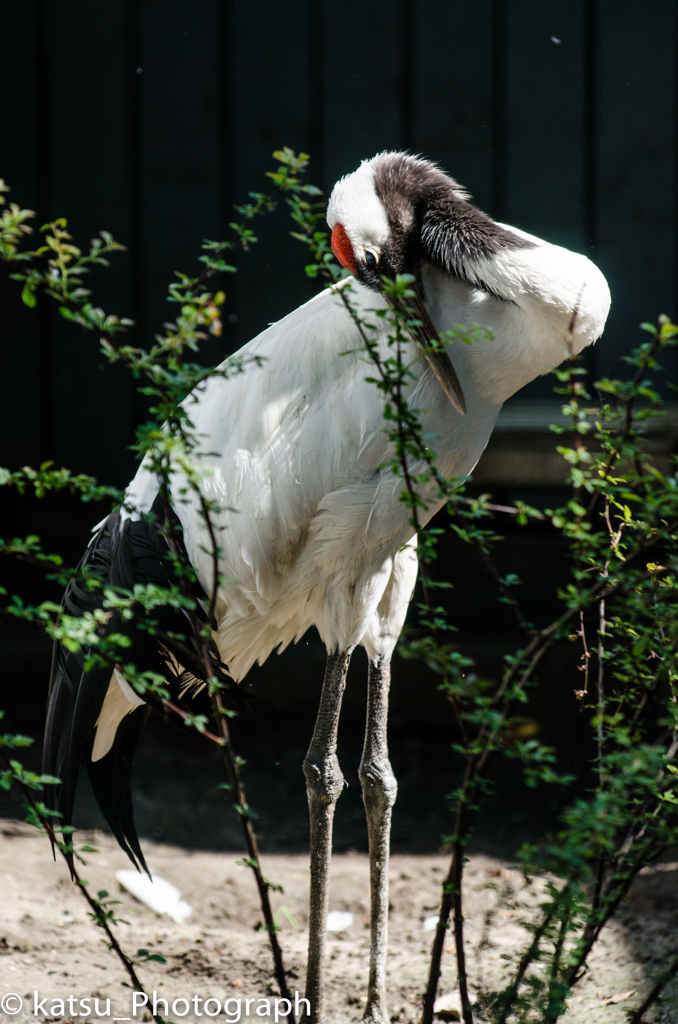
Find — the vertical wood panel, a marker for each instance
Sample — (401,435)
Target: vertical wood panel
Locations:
(20,390)
(271,104)
(636,166)
(89,184)
(574,140)
(453,90)
(362,53)
(545,119)
(180,159)
(544,131)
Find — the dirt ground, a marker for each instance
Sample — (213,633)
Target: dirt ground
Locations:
(48,944)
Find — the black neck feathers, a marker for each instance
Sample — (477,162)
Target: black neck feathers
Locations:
(431,220)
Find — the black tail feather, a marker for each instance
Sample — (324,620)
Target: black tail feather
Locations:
(111,779)
(122,553)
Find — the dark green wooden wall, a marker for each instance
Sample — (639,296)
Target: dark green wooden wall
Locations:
(149,117)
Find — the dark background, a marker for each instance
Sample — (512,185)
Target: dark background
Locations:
(149,118)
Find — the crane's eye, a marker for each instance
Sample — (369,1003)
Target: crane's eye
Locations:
(370,259)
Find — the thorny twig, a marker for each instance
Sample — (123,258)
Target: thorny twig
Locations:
(585,659)
(231,761)
(249,835)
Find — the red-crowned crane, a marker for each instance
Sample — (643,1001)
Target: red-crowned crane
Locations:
(320,537)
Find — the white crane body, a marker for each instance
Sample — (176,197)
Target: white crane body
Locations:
(311,527)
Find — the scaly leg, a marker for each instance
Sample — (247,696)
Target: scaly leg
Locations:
(324,783)
(379,793)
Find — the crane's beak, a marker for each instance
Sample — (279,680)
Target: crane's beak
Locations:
(421,328)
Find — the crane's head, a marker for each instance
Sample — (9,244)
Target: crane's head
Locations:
(392,215)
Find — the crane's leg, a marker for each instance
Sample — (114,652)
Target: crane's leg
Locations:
(324,783)
(379,793)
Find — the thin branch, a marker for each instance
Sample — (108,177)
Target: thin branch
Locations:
(506,1006)
(656,991)
(95,908)
(223,740)
(585,659)
(601,687)
(263,885)
(452,898)
(628,418)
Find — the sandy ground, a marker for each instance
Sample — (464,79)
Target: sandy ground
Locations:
(48,944)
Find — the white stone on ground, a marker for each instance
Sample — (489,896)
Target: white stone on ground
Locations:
(339,920)
(448,1006)
(158,895)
